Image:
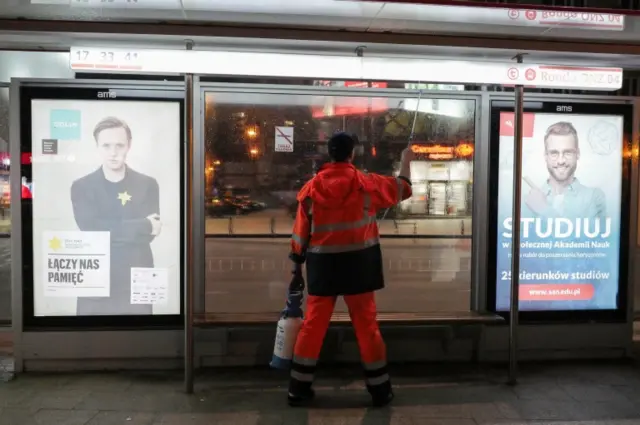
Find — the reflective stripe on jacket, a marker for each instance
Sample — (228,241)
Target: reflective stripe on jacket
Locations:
(336,231)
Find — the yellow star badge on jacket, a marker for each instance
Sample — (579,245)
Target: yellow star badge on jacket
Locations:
(124,197)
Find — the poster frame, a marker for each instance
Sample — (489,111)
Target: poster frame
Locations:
(79,90)
(554,106)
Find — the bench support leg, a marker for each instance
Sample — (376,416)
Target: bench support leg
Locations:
(477,345)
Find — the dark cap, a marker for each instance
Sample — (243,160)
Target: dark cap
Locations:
(341,146)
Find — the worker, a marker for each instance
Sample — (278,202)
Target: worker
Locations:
(336,234)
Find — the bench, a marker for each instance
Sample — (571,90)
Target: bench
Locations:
(444,327)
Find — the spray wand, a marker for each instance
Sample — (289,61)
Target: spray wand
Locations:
(411,135)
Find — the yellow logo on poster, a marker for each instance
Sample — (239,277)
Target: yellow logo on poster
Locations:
(55,243)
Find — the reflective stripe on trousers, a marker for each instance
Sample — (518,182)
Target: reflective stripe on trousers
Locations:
(302,377)
(376,373)
(302,372)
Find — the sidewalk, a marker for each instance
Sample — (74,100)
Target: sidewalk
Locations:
(547,394)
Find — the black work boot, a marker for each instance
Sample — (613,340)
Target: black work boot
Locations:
(301,399)
(382,400)
(381,395)
(300,392)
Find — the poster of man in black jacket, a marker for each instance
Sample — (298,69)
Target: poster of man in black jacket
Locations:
(124,202)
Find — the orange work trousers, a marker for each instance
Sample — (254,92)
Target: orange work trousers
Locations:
(373,353)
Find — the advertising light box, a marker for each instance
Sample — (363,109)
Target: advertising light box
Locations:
(572,242)
(106,218)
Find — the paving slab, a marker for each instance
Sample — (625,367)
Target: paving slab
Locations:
(553,394)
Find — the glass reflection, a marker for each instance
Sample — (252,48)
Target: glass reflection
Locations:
(252,181)
(245,171)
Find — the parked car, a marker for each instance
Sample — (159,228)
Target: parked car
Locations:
(220,207)
(251,204)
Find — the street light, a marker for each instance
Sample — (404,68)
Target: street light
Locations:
(252,132)
(254,152)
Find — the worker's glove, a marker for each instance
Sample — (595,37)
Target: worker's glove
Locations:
(297,281)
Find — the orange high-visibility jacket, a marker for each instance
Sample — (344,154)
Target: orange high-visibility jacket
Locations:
(336,232)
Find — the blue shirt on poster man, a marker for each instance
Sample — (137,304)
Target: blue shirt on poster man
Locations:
(574,201)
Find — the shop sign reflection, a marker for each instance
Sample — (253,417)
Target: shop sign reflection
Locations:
(442,152)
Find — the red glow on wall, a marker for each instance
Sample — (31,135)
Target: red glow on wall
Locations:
(351,105)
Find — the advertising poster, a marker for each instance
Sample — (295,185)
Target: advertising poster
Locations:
(106,215)
(571,195)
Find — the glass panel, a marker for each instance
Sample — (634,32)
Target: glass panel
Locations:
(5,223)
(253,175)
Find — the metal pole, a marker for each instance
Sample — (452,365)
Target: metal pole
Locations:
(515,237)
(189,272)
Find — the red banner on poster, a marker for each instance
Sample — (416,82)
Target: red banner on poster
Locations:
(507,124)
